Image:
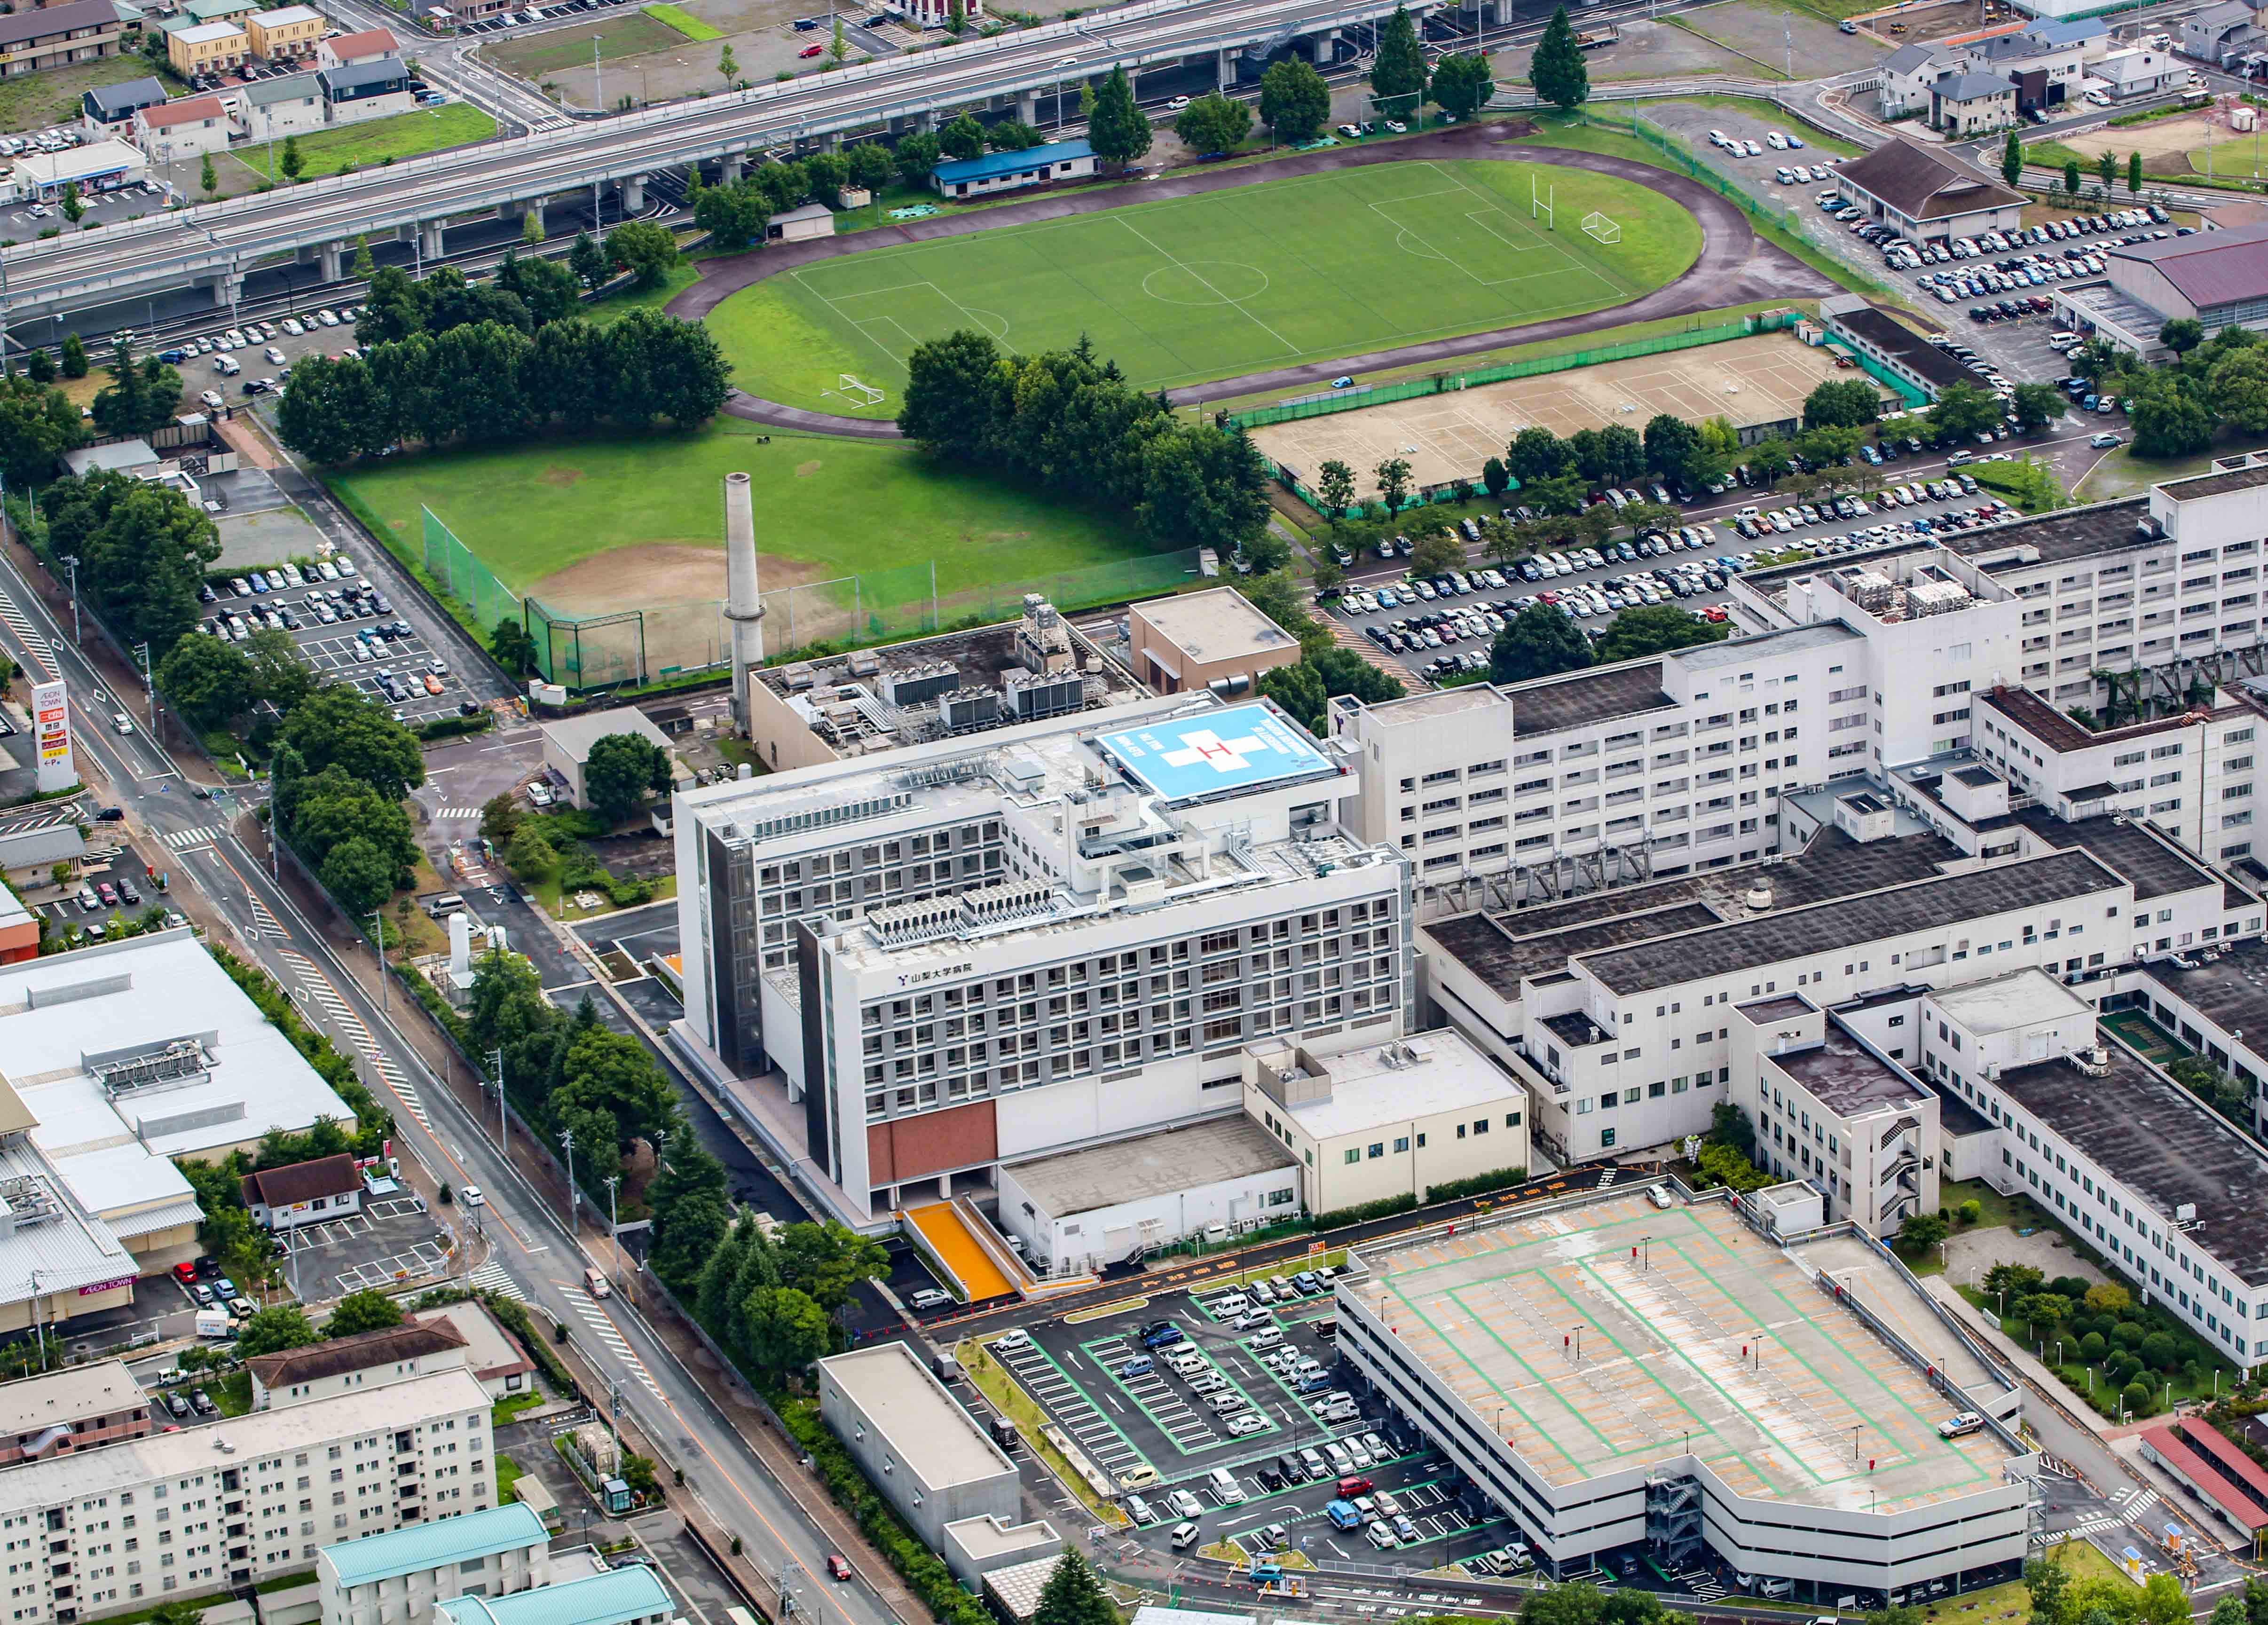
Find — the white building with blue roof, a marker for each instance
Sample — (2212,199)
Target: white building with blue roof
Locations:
(1007,172)
(397,1579)
(634,1595)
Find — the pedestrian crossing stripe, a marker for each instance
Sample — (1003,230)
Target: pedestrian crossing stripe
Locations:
(342,1015)
(604,1330)
(185,840)
(457,812)
(260,917)
(492,1277)
(21,623)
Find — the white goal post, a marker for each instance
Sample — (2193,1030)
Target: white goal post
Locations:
(859,394)
(1540,205)
(1600,226)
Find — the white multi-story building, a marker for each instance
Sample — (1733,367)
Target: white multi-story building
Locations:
(398,1577)
(908,969)
(222,1508)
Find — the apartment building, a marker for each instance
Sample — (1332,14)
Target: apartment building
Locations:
(79,1407)
(286,34)
(357,1363)
(207,48)
(396,1578)
(225,1507)
(914,967)
(53,36)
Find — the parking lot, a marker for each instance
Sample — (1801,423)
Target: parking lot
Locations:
(392,1239)
(348,631)
(1225,1402)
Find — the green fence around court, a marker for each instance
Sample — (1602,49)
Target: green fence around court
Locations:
(639,644)
(1537,367)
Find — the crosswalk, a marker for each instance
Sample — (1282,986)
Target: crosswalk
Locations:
(2093,1526)
(192,840)
(350,1026)
(2133,1502)
(261,916)
(41,651)
(493,1277)
(600,1327)
(456,812)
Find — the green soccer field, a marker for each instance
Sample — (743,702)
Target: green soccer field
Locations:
(1337,264)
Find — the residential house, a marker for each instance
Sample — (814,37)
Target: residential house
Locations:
(51,36)
(289,33)
(174,130)
(366,90)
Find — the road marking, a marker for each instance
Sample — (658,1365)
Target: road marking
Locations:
(492,1277)
(456,812)
(605,1330)
(40,649)
(342,1013)
(189,840)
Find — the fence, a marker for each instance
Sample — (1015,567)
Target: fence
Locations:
(1441,383)
(639,644)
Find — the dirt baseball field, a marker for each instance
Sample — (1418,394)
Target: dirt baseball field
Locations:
(1763,378)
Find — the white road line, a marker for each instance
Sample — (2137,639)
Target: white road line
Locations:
(604,1330)
(350,1025)
(492,1277)
(185,840)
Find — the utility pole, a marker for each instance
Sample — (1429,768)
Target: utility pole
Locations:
(71,563)
(613,1224)
(504,1109)
(598,75)
(149,683)
(574,1201)
(378,947)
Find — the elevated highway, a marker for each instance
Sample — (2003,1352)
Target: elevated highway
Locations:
(213,244)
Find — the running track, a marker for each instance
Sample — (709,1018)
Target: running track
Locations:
(1735,266)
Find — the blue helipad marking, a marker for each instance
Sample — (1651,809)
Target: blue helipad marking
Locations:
(1233,748)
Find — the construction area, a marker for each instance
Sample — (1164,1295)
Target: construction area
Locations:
(1605,1338)
(1756,383)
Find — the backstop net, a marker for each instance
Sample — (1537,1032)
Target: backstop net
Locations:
(456,571)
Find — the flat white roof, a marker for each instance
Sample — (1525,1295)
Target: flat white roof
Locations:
(96,157)
(2021,998)
(1181,1159)
(1368,1090)
(284,15)
(1218,625)
(204,33)
(100,1389)
(197,1451)
(914,1415)
(576,734)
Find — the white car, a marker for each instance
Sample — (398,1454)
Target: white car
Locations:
(211,398)
(121,722)
(1177,104)
(471,1197)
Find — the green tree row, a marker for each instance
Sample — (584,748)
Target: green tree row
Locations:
(1064,421)
(2177,407)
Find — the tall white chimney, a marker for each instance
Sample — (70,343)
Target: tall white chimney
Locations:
(744,604)
(461,943)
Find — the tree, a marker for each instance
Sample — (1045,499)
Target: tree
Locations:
(2171,418)
(2181,334)
(827,1262)
(361,1311)
(588,260)
(293,160)
(38,424)
(208,681)
(620,770)
(1437,554)
(916,155)
(837,49)
(2134,173)
(2108,1298)
(513,647)
(2237,387)
(1294,102)
(40,368)
(1575,1604)
(1536,453)
(2012,1281)
(1921,1231)
(2011,159)
(1729,1124)
(1206,487)
(74,357)
(1962,412)
(2106,168)
(1540,641)
(1557,70)
(180,1612)
(644,249)
(337,727)
(364,266)
(209,178)
(953,394)
(1073,1595)
(1393,478)
(2070,177)
(272,1330)
(74,206)
(1117,130)
(2038,405)
(734,216)
(1213,123)
(1841,402)
(962,138)
(142,550)
(1335,484)
(1656,628)
(872,165)
(727,69)
(1671,444)
(1495,477)
(359,874)
(1462,84)
(690,1229)
(140,398)
(530,854)
(1012,135)
(1397,73)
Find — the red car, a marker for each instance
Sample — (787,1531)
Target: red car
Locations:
(837,1567)
(186,1274)
(109,894)
(811,50)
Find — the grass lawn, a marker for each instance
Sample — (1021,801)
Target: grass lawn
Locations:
(508,1473)
(614,306)
(691,26)
(34,100)
(232,1393)
(841,505)
(511,1406)
(405,135)
(1284,272)
(632,33)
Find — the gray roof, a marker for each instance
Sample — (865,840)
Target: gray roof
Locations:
(1906,58)
(1587,697)
(1776,938)
(56,19)
(1180,1159)
(115,101)
(1845,1076)
(354,76)
(1971,87)
(576,734)
(1894,338)
(2212,268)
(2222,16)
(290,88)
(2162,1143)
(2242,472)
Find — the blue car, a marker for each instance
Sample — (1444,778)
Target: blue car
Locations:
(1342,383)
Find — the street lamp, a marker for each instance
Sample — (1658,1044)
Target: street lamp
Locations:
(71,563)
(574,1199)
(614,1222)
(503,1110)
(1068,61)
(149,683)
(598,75)
(378,951)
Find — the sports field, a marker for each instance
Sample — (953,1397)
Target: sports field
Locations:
(1336,264)
(1696,1335)
(1760,379)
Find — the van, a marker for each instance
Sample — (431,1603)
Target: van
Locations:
(1185,1536)
(1223,1483)
(1140,1510)
(226,367)
(1657,1194)
(447,903)
(1311,1464)
(594,1282)
(1778,1587)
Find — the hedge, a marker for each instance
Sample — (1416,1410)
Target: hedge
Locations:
(450,727)
(1478,1184)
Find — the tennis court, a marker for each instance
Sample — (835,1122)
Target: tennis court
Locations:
(1760,378)
(1601,1338)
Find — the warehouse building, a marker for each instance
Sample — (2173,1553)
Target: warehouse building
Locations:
(932,1462)
(2218,278)
(1573,1364)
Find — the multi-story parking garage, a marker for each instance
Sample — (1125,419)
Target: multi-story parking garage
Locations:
(1621,1375)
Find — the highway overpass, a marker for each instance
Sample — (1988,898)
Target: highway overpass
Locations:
(212,245)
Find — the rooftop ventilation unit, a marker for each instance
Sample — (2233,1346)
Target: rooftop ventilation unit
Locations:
(823,817)
(182,1061)
(913,685)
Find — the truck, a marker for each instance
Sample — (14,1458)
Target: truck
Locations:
(215,1323)
(1591,40)
(1342,1515)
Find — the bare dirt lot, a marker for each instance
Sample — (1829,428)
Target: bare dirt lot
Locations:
(1778,38)
(676,590)
(2173,147)
(1915,24)
(1747,381)
(1646,50)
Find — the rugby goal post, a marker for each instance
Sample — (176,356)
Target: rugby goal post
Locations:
(1540,205)
(1598,226)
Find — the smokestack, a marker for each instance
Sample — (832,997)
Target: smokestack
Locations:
(461,943)
(744,605)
